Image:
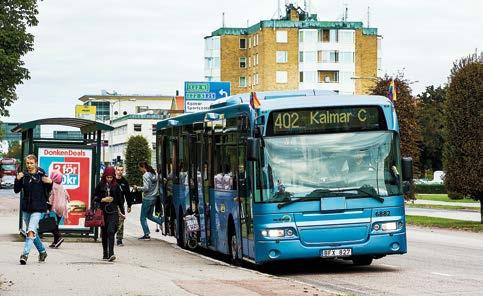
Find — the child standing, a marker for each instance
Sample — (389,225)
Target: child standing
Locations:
(58,200)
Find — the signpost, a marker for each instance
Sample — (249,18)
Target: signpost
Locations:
(198,96)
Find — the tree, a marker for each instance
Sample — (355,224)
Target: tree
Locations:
(430,118)
(15,17)
(463,152)
(405,106)
(14,150)
(137,150)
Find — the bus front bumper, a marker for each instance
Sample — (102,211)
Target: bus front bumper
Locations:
(376,246)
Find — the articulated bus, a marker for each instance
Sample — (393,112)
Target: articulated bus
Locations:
(302,174)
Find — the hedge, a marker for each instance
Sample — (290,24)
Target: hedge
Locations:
(430,188)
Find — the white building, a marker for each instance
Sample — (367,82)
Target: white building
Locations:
(132,125)
(129,115)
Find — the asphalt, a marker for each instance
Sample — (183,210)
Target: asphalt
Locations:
(156,267)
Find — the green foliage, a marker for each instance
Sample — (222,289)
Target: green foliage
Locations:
(406,108)
(463,152)
(444,223)
(430,188)
(14,150)
(137,150)
(430,118)
(15,17)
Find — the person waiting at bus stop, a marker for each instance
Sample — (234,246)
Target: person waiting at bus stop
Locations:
(150,190)
(125,196)
(108,194)
(33,183)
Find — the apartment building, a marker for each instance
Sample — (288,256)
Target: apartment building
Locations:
(295,52)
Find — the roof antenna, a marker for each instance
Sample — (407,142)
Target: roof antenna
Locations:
(368,16)
(346,12)
(222,19)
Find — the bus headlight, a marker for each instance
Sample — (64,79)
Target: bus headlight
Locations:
(387,226)
(278,232)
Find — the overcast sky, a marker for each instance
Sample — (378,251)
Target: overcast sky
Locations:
(153,46)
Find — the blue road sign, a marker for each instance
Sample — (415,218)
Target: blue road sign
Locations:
(198,95)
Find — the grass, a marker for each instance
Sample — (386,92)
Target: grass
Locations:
(444,223)
(443,197)
(443,207)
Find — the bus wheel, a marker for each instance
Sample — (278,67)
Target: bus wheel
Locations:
(362,260)
(181,235)
(233,248)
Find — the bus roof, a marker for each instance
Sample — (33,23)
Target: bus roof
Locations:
(278,100)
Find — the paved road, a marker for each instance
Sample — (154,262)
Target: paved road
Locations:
(447,203)
(438,262)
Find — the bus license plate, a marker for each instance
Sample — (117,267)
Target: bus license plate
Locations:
(336,253)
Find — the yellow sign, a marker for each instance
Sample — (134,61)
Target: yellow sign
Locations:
(85,112)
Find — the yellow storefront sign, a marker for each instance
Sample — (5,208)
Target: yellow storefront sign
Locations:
(85,112)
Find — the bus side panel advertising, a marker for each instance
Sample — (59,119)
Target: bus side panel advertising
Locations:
(75,165)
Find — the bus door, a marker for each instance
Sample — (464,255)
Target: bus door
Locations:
(243,185)
(195,184)
(207,179)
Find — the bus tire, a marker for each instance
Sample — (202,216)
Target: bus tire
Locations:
(233,245)
(180,237)
(362,260)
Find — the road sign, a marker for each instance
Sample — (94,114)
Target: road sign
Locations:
(198,96)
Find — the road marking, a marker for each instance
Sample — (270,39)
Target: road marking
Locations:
(443,274)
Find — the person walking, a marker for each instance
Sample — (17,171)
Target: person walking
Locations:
(33,203)
(150,190)
(126,197)
(58,200)
(108,194)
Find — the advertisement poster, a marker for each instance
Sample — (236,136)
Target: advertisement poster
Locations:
(75,165)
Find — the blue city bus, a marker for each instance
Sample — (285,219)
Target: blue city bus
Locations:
(286,175)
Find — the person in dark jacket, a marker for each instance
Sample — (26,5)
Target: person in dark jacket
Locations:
(126,196)
(34,184)
(108,194)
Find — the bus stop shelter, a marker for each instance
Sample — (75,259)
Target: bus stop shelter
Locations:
(78,160)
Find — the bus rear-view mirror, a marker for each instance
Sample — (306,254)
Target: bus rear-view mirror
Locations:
(407,169)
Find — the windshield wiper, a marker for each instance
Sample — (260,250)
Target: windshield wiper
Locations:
(282,204)
(369,190)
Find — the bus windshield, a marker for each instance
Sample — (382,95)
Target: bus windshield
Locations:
(338,164)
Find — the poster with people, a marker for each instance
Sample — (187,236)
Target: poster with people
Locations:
(75,166)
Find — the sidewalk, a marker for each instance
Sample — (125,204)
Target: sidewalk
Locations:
(445,203)
(156,267)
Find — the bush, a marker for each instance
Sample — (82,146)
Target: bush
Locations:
(430,188)
(454,195)
(137,150)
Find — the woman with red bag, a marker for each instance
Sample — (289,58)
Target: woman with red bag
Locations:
(108,194)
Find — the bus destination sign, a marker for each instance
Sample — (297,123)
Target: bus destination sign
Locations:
(320,120)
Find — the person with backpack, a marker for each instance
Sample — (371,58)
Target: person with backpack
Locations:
(108,194)
(58,200)
(150,190)
(33,203)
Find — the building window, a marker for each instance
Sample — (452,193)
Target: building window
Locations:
(282,56)
(249,80)
(243,62)
(154,129)
(301,36)
(346,57)
(249,62)
(242,81)
(282,37)
(256,59)
(346,77)
(137,127)
(255,40)
(281,77)
(327,56)
(328,76)
(326,35)
(310,56)
(255,79)
(301,56)
(301,77)
(249,42)
(243,43)
(346,36)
